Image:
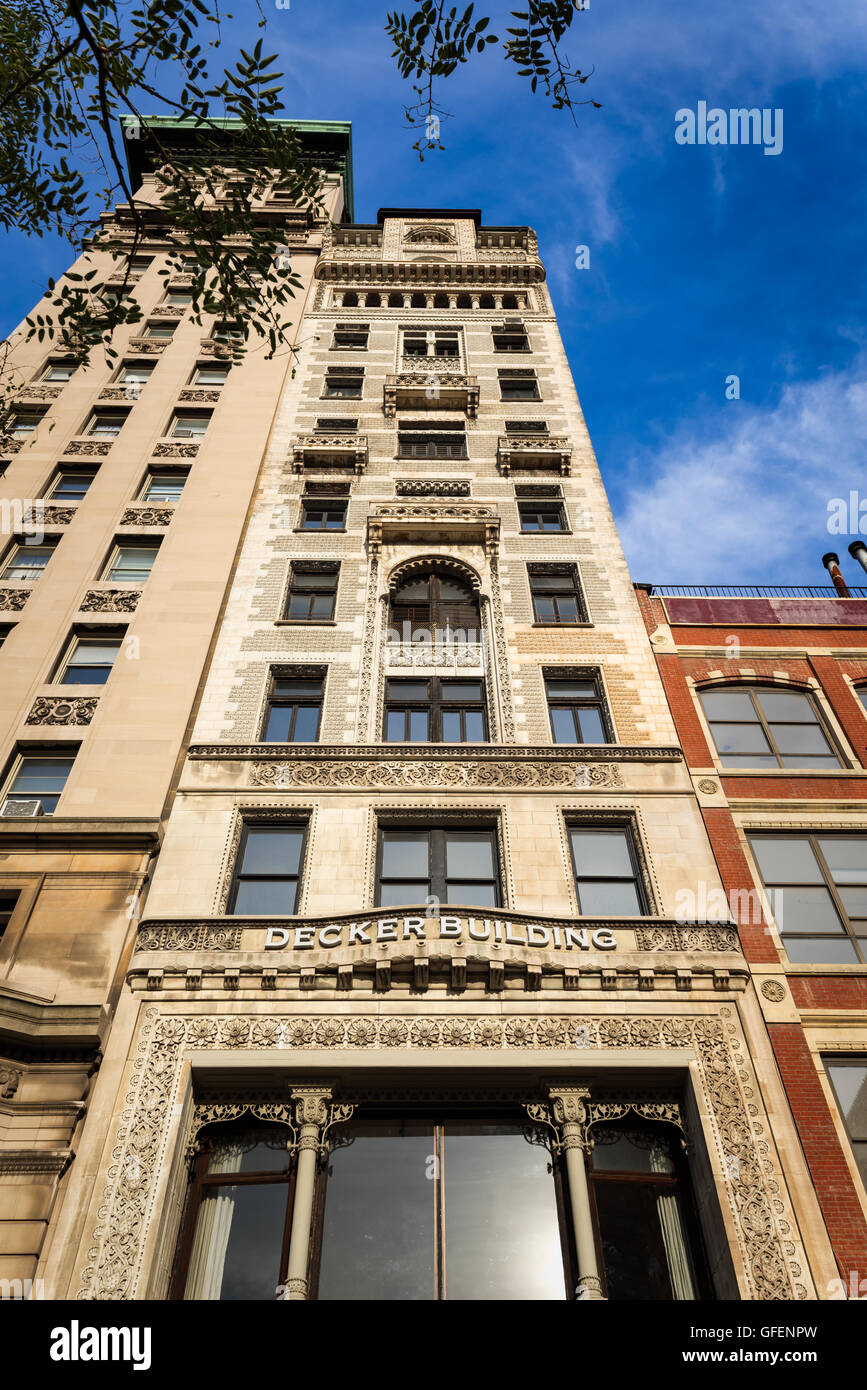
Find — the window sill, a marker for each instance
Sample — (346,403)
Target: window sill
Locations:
(304,622)
(570,627)
(319,530)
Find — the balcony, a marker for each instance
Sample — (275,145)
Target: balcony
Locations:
(534,451)
(460,523)
(439,654)
(430,388)
(322,450)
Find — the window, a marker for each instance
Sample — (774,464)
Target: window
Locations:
(91,660)
(70,485)
(337,424)
(455,866)
(435,711)
(105,426)
(577,709)
(59,371)
(239,1214)
(294,710)
(131,564)
(177,299)
(189,426)
(159,332)
(25,423)
(344,382)
(352,336)
(436,603)
(312,595)
(542,516)
(27,561)
(518,386)
(557,596)
(134,373)
(646,1230)
(438,342)
(526,427)
(848,1077)
(164,487)
(456,1205)
(7,907)
(862,695)
(139,264)
(268,870)
(605,866)
(765,727)
(37,777)
(417,444)
(512,337)
(817,885)
(5,630)
(228,333)
(323,513)
(207,375)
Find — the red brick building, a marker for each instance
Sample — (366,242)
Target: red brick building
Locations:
(768,689)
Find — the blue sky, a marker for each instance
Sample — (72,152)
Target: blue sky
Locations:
(705,261)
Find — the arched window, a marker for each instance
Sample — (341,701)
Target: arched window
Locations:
(647,1232)
(235,1243)
(464,301)
(441,301)
(350,300)
(766,726)
(418,301)
(373,301)
(432,603)
(486,301)
(395,301)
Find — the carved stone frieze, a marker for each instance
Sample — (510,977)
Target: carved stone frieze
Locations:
(189,936)
(55,709)
(439,752)
(176,451)
(38,392)
(198,395)
(368,653)
(212,347)
(8,445)
(110,601)
(58,516)
(89,448)
(13,600)
(149,345)
(147,516)
(750,1181)
(432,511)
(410,773)
(431,487)
(687,938)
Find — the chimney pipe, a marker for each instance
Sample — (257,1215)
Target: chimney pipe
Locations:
(832,565)
(858,551)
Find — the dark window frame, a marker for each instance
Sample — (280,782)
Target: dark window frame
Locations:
(276,700)
(627,829)
(434,707)
(753,690)
(857,1142)
(350,381)
(326,505)
(296,590)
(571,586)
(859,943)
(436,878)
(529,507)
(249,823)
(598,701)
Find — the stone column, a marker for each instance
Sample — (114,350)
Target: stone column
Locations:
(314,1116)
(570,1120)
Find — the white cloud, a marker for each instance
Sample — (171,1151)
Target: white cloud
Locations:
(742,494)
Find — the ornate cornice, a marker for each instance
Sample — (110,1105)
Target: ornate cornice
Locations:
(351,265)
(438,752)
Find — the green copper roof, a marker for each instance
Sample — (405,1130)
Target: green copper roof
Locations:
(329,142)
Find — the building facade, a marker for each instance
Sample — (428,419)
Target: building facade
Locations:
(436,992)
(768,689)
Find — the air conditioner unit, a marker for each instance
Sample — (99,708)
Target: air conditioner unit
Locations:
(15,806)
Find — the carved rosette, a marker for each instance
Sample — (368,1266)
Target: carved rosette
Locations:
(89,448)
(54,709)
(687,938)
(760,1216)
(110,601)
(411,774)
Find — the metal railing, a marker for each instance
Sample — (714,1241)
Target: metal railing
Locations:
(752,591)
